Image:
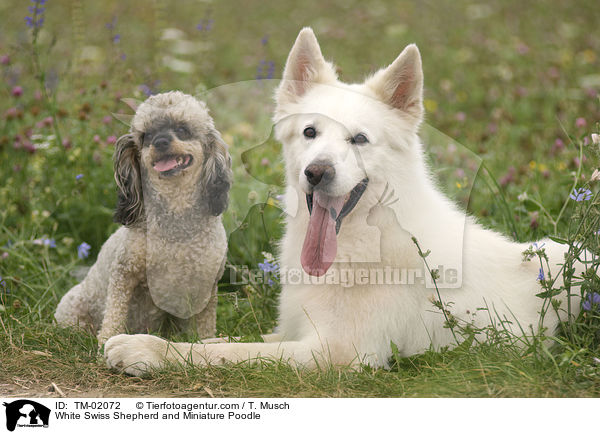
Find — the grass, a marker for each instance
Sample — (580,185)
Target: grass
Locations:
(515,85)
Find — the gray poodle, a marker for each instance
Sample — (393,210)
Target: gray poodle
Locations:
(159,272)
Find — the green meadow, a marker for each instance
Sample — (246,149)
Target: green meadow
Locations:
(512,116)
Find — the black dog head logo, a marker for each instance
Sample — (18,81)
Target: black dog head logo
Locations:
(27,413)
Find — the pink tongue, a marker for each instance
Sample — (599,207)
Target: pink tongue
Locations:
(164,165)
(320,244)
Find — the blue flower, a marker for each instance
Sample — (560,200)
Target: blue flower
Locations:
(83,250)
(49,242)
(268,267)
(592,302)
(116,39)
(265,70)
(36,20)
(581,194)
(537,247)
(78,177)
(2,282)
(541,275)
(264,40)
(205,25)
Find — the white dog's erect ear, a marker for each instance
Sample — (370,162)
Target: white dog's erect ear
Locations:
(401,84)
(305,65)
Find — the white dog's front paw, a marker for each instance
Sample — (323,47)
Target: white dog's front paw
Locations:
(135,354)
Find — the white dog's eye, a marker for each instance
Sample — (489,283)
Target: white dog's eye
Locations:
(359,139)
(309,132)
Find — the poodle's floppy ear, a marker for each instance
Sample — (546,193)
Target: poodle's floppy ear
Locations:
(130,206)
(217,174)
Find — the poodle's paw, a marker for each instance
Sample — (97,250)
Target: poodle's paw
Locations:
(135,354)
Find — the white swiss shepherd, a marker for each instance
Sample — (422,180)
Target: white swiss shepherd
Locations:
(354,164)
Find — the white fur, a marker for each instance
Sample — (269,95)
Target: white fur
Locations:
(346,325)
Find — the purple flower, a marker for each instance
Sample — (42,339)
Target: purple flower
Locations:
(265,70)
(2,282)
(116,39)
(264,40)
(83,250)
(146,89)
(537,247)
(36,20)
(44,241)
(541,275)
(591,302)
(17,91)
(580,122)
(78,177)
(5,59)
(205,25)
(581,194)
(268,267)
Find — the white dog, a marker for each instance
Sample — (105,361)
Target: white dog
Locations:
(353,152)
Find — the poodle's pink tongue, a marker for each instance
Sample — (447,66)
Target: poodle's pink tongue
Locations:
(320,244)
(164,165)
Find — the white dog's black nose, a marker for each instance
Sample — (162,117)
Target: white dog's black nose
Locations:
(319,172)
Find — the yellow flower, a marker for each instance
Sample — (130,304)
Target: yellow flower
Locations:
(532,165)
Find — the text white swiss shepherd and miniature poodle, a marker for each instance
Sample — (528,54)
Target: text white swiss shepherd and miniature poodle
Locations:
(358,191)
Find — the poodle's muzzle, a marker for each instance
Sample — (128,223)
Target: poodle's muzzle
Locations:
(166,159)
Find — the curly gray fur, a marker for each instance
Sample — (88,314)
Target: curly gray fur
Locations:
(173,174)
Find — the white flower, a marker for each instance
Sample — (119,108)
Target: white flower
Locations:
(596,139)
(522,197)
(595,176)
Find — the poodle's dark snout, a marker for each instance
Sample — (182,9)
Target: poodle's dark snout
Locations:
(162,142)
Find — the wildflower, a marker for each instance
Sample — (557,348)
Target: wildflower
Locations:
(522,197)
(78,177)
(595,176)
(264,40)
(107,120)
(66,144)
(205,25)
(4,255)
(111,140)
(559,145)
(47,121)
(36,20)
(96,138)
(509,177)
(580,122)
(44,241)
(581,194)
(145,89)
(533,223)
(535,246)
(2,283)
(116,39)
(596,139)
(265,70)
(83,250)
(268,267)
(541,275)
(4,59)
(460,116)
(17,91)
(265,162)
(591,302)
